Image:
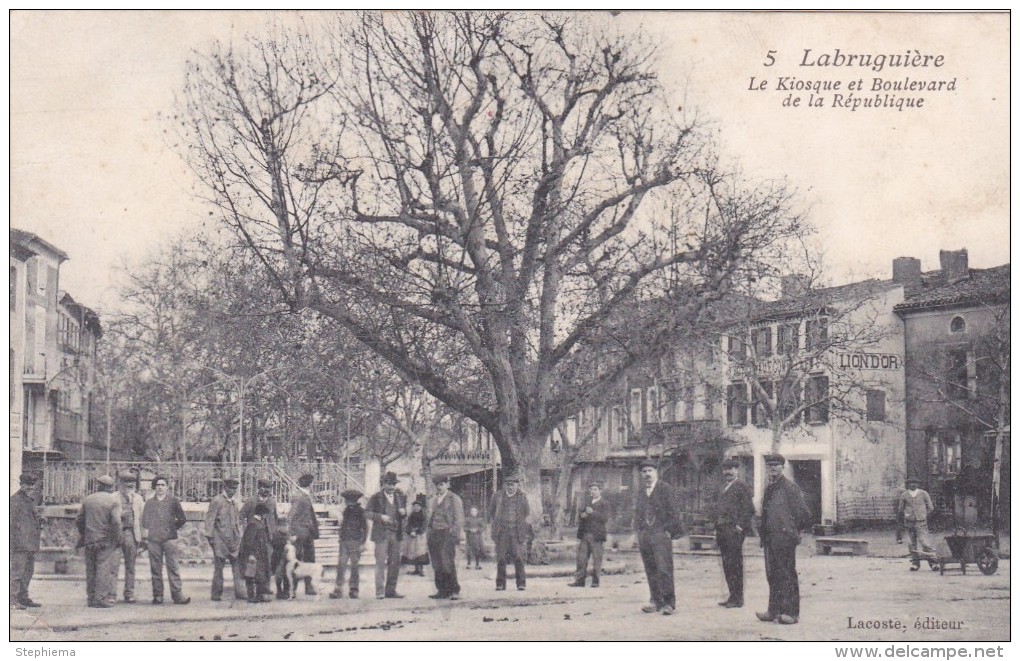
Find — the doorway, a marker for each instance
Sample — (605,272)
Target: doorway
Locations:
(807,474)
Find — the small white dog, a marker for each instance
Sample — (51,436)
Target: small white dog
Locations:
(296,570)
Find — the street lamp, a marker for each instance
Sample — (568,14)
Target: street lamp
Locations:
(241,384)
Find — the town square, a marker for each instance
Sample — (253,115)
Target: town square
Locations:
(510,326)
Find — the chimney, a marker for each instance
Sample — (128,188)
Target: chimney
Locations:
(954,264)
(795,285)
(906,271)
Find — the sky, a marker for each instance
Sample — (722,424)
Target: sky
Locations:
(93,173)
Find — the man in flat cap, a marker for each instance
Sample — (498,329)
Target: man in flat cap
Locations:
(223,530)
(591,537)
(25,528)
(387,509)
(446,522)
(131,506)
(508,525)
(657,519)
(264,496)
(303,525)
(99,528)
(162,517)
(783,514)
(734,516)
(914,506)
(353,535)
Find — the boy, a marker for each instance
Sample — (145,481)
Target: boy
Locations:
(353,534)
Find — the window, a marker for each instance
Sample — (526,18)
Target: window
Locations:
(685,407)
(737,350)
(817,393)
(956,374)
(759,414)
(945,451)
(652,404)
(736,405)
(13,284)
(876,405)
(788,339)
(635,408)
(816,333)
(957,325)
(761,340)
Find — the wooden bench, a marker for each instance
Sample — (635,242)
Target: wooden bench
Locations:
(824,545)
(697,541)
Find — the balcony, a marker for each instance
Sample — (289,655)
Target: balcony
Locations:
(35,369)
(465,457)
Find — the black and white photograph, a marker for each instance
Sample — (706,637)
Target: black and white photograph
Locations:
(388,326)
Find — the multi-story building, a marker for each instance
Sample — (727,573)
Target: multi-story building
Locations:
(957,326)
(818,374)
(52,356)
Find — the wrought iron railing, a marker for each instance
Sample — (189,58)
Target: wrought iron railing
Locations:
(66,482)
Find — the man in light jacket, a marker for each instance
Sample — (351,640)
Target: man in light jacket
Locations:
(914,507)
(131,505)
(223,530)
(99,527)
(446,522)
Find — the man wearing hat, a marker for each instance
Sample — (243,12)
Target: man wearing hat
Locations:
(783,514)
(657,521)
(131,505)
(446,522)
(162,517)
(914,506)
(353,535)
(223,530)
(734,513)
(508,519)
(304,525)
(25,528)
(387,510)
(591,537)
(99,527)
(264,496)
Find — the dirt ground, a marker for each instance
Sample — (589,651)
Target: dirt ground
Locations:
(842,598)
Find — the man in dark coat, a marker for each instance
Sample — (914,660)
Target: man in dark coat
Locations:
(353,535)
(25,527)
(657,522)
(734,513)
(508,518)
(304,525)
(783,514)
(264,496)
(446,522)
(99,527)
(162,517)
(387,510)
(254,555)
(591,537)
(223,530)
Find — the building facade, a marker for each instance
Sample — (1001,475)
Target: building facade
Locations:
(51,357)
(957,327)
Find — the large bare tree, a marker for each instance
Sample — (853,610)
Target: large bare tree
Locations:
(518,190)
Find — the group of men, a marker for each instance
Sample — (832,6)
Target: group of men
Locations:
(784,514)
(115,524)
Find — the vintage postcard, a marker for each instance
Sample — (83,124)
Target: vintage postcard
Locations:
(516,326)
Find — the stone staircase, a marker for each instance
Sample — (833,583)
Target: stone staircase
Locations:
(327,546)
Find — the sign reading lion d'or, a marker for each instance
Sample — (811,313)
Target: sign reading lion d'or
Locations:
(870,361)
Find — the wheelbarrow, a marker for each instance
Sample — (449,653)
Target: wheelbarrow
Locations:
(971,549)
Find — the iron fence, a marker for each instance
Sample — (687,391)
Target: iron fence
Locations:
(66,482)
